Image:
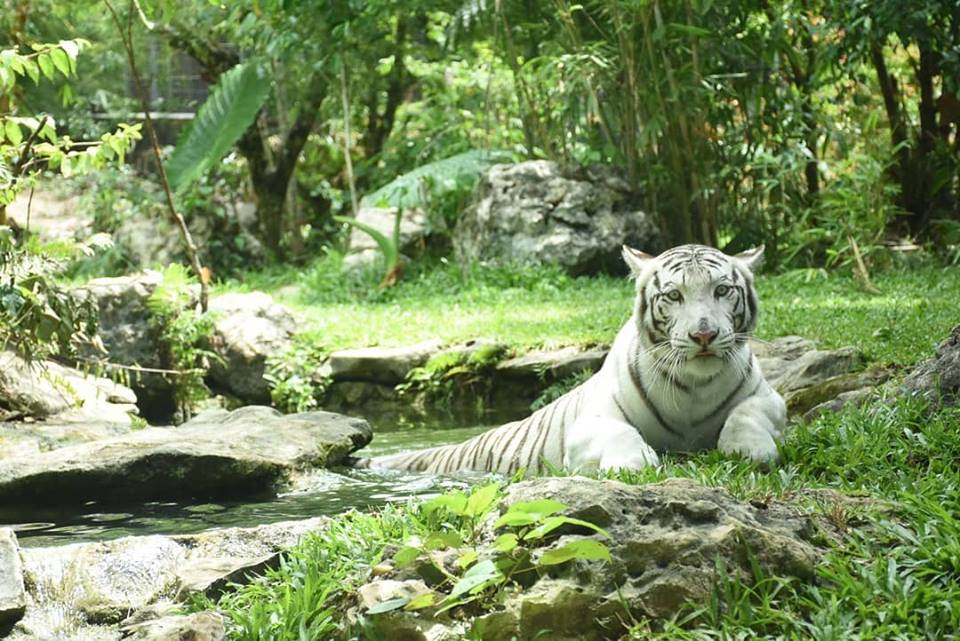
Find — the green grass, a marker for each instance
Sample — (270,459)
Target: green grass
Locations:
(896,576)
(528,308)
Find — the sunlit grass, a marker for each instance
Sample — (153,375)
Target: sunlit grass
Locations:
(527,308)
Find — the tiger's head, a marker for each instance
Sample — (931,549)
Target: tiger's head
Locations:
(696,306)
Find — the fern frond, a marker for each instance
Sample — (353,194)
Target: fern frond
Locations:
(444,175)
(221,120)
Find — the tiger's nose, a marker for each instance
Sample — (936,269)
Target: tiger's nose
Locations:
(703,337)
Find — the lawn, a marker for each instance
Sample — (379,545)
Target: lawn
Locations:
(527,308)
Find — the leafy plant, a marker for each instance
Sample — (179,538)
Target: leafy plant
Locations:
(220,121)
(488,569)
(37,316)
(294,384)
(453,372)
(182,331)
(390,247)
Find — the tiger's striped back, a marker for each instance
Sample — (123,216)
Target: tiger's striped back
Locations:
(534,444)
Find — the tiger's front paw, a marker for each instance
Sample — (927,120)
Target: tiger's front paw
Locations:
(757,445)
(633,457)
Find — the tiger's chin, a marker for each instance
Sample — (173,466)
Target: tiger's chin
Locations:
(704,365)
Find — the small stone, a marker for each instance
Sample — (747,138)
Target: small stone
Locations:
(381,569)
(200,626)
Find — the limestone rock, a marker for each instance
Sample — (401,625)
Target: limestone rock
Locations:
(363,249)
(536,213)
(13,598)
(84,591)
(49,390)
(836,391)
(27,439)
(666,541)
(248,328)
(199,626)
(552,365)
(938,379)
(250,451)
(786,374)
(210,576)
(389,365)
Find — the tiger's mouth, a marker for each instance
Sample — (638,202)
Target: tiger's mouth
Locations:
(706,354)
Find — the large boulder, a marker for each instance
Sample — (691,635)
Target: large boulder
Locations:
(26,439)
(47,390)
(938,379)
(247,329)
(131,338)
(671,544)
(88,590)
(363,250)
(248,452)
(13,597)
(537,213)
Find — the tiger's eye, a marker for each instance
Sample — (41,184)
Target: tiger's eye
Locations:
(673,295)
(722,290)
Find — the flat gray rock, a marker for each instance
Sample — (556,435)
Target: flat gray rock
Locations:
(199,626)
(250,451)
(552,364)
(13,597)
(389,365)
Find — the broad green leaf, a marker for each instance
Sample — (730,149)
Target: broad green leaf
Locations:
(455,502)
(12,132)
(529,512)
(405,190)
(482,500)
(405,556)
(423,600)
(553,522)
(386,245)
(231,108)
(585,549)
(33,71)
(467,558)
(389,605)
(443,540)
(481,575)
(60,60)
(46,64)
(505,543)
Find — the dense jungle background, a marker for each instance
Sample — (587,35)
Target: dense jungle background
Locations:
(412,212)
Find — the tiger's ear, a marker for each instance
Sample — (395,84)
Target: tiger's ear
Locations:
(752,258)
(636,260)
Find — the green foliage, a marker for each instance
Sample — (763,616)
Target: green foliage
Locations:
(389,247)
(182,331)
(487,571)
(37,316)
(220,122)
(294,384)
(436,181)
(453,373)
(555,390)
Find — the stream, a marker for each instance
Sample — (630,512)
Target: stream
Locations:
(327,492)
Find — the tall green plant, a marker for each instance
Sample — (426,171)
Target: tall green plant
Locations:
(220,122)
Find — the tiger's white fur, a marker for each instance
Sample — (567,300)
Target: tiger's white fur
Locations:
(680,376)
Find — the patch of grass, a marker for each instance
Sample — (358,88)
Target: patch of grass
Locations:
(897,576)
(527,308)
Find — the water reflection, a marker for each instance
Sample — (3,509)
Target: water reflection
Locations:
(324,492)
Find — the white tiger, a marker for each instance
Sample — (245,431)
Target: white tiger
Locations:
(680,376)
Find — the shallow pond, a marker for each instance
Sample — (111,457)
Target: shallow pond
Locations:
(328,492)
